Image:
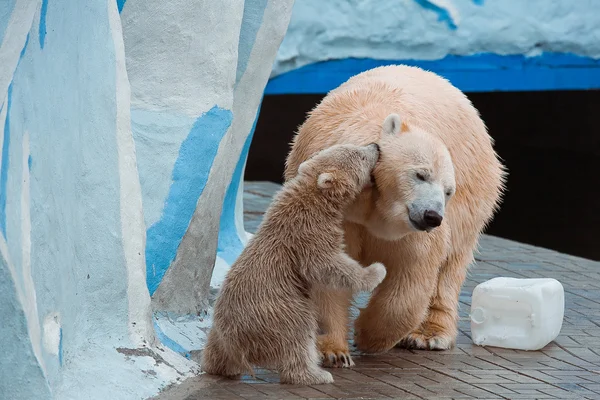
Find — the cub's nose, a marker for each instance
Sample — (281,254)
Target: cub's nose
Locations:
(432,219)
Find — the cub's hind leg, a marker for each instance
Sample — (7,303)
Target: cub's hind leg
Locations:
(217,360)
(301,366)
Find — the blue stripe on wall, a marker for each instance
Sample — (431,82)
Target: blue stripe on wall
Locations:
(43,23)
(22,54)
(170,343)
(60,347)
(443,14)
(230,246)
(121,4)
(476,73)
(251,22)
(190,175)
(5,164)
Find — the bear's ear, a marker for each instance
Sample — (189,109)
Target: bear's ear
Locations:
(325,180)
(392,124)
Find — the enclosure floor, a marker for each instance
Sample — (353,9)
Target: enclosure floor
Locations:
(568,368)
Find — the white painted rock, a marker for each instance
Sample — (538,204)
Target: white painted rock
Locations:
(101,182)
(521,314)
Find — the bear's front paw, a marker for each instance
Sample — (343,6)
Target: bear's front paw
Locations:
(374,275)
(369,342)
(334,354)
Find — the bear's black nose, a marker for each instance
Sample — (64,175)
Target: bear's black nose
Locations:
(432,219)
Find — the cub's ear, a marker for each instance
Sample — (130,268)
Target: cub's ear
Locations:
(325,180)
(392,124)
(302,168)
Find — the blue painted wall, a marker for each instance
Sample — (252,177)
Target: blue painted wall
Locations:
(101,171)
(230,244)
(192,121)
(179,124)
(69,225)
(251,22)
(477,73)
(176,148)
(42,29)
(479,46)
(5,161)
(189,177)
(75,251)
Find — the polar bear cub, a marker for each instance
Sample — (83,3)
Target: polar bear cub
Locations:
(264,315)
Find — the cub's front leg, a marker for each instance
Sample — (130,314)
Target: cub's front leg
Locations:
(342,272)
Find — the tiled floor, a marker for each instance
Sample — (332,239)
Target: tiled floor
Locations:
(569,368)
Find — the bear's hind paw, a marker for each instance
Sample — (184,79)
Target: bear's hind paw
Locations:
(420,341)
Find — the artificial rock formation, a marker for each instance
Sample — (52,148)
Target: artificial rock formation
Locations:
(123,140)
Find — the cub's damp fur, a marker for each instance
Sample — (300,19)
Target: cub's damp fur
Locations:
(264,315)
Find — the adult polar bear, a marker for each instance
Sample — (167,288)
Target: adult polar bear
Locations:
(437,185)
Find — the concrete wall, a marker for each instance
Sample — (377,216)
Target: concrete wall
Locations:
(111,192)
(192,120)
(560,36)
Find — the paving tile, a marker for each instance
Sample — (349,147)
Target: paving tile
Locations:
(308,392)
(495,388)
(213,393)
(568,368)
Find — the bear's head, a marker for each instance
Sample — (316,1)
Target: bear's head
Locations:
(414,180)
(342,171)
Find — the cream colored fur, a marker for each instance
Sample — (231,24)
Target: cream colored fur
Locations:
(264,314)
(426,129)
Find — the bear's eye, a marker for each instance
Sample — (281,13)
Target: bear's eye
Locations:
(421,177)
(449,193)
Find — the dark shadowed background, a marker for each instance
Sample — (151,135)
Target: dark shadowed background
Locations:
(548,140)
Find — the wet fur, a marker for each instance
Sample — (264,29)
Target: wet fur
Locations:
(417,303)
(264,314)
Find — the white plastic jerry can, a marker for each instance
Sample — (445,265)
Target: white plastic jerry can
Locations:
(521,314)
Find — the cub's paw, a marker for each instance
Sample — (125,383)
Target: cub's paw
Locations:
(423,340)
(374,275)
(312,375)
(333,354)
(321,377)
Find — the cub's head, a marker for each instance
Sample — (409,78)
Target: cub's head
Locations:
(414,181)
(340,171)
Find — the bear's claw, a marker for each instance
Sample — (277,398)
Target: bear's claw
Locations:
(337,360)
(334,355)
